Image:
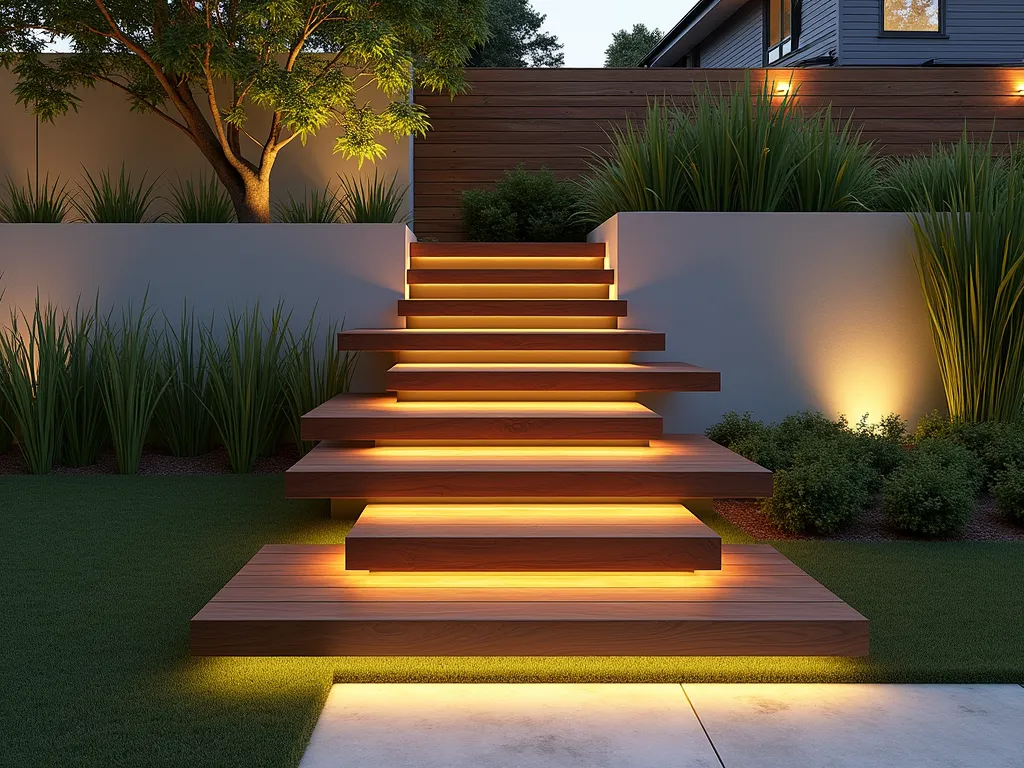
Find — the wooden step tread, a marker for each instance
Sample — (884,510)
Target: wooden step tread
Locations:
(537,339)
(299,600)
(542,537)
(589,377)
(509,276)
(670,469)
(382,417)
(505,250)
(511,308)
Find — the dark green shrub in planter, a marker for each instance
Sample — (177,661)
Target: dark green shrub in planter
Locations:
(525,206)
(997,444)
(822,492)
(933,493)
(1009,492)
(733,428)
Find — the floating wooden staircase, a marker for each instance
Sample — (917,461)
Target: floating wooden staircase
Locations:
(520,502)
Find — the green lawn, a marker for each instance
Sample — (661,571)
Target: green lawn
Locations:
(100,575)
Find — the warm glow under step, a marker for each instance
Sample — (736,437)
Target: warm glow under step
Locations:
(509,276)
(608,308)
(381,417)
(539,537)
(301,601)
(674,468)
(583,377)
(469,339)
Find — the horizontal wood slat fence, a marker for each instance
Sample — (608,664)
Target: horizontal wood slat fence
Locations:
(556,118)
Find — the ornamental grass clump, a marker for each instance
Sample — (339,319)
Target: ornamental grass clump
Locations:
(317,206)
(109,200)
(246,383)
(84,426)
(642,171)
(132,384)
(204,201)
(376,201)
(32,363)
(182,418)
(970,259)
(934,492)
(314,371)
(39,203)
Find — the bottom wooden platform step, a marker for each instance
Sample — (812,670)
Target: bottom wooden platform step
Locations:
(301,601)
(531,537)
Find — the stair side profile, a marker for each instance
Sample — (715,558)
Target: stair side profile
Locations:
(516,499)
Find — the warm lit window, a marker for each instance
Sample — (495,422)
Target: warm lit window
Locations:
(783,18)
(912,16)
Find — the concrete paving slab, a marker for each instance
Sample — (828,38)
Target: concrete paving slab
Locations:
(863,726)
(508,726)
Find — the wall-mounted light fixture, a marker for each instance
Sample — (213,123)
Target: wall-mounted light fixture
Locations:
(782,88)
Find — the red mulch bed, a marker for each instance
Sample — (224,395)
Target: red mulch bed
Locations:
(986,524)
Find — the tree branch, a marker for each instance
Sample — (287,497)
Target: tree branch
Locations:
(152,107)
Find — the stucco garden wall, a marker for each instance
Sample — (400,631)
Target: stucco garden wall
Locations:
(354,272)
(798,311)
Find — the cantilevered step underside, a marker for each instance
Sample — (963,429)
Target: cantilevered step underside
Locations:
(670,469)
(301,601)
(531,537)
(489,339)
(382,417)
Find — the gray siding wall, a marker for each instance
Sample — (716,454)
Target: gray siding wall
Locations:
(740,41)
(979,31)
(737,43)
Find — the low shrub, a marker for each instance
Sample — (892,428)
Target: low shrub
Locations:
(120,200)
(734,428)
(997,444)
(1009,492)
(376,201)
(824,490)
(524,206)
(933,493)
(204,201)
(37,203)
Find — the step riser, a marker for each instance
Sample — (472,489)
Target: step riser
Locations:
(648,381)
(532,554)
(474,263)
(508,291)
(493,250)
(659,487)
(441,428)
(478,308)
(521,637)
(514,356)
(513,276)
(552,341)
(514,323)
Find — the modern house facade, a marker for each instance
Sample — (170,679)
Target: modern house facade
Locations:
(815,33)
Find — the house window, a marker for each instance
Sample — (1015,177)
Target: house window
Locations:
(782,27)
(912,17)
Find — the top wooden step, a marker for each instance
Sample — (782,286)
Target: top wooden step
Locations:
(510,276)
(507,250)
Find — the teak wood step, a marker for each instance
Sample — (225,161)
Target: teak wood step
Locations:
(535,250)
(301,601)
(509,276)
(381,417)
(539,537)
(582,377)
(671,469)
(537,339)
(511,308)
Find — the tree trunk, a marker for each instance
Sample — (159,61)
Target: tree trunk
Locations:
(252,201)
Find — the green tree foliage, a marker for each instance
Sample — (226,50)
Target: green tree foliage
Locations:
(515,39)
(629,46)
(204,66)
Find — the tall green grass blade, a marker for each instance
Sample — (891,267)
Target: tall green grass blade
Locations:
(37,203)
(106,200)
(314,372)
(246,387)
(132,384)
(182,418)
(81,389)
(203,201)
(376,201)
(33,360)
(318,206)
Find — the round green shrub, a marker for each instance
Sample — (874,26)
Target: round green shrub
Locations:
(933,493)
(733,428)
(524,206)
(824,490)
(1009,492)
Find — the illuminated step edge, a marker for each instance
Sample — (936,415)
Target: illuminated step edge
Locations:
(520,339)
(543,537)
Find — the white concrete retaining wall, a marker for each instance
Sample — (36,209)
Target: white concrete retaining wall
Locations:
(354,272)
(798,311)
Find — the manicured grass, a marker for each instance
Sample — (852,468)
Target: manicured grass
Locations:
(100,575)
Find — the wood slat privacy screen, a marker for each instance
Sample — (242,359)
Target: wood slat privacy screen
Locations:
(555,118)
